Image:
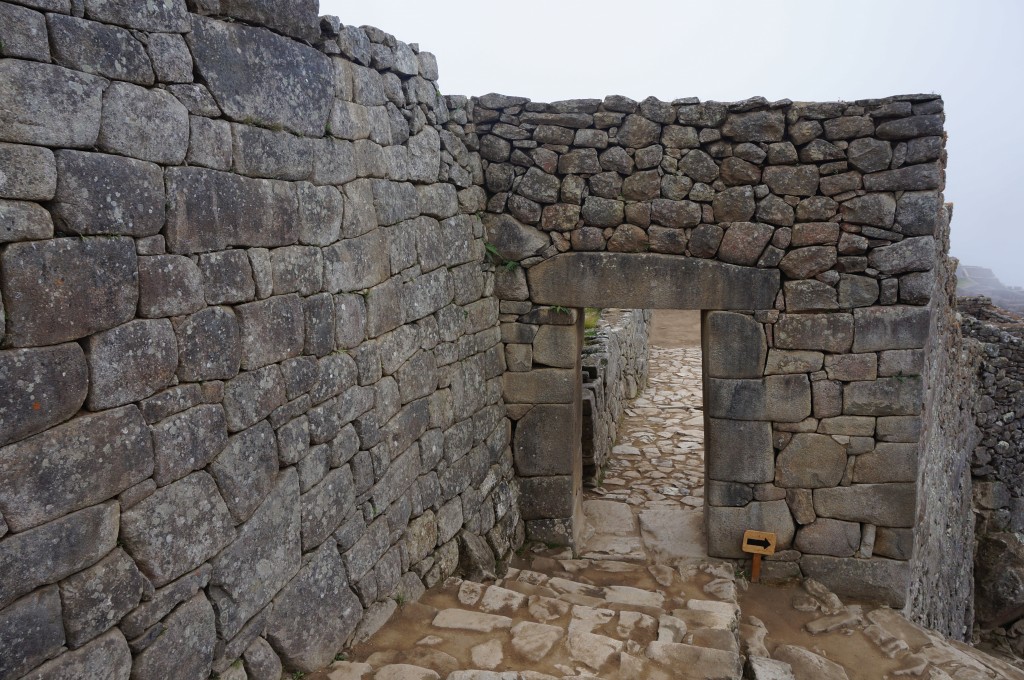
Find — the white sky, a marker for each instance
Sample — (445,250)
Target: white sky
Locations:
(969,51)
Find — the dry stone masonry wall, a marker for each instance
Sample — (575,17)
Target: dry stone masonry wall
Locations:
(816,225)
(251,385)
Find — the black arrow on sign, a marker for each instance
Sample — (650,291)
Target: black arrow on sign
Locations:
(759,542)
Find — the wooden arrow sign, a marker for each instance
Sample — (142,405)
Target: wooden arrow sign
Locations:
(759,543)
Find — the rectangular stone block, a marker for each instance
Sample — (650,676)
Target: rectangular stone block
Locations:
(29,560)
(49,105)
(890,505)
(875,580)
(890,327)
(93,47)
(547,497)
(167,16)
(187,441)
(227,277)
(271,330)
(72,466)
(852,426)
(209,143)
(426,294)
(899,429)
(67,288)
(887,463)
(259,152)
(736,399)
(29,172)
(45,386)
(725,526)
(30,632)
(252,396)
(897,396)
(541,386)
(177,528)
(740,451)
(546,441)
(735,345)
(826,332)
(787,398)
(24,221)
(130,362)
(357,263)
(23,33)
(209,347)
(151,125)
(850,367)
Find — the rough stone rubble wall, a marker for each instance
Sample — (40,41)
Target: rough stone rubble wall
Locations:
(821,217)
(615,369)
(251,380)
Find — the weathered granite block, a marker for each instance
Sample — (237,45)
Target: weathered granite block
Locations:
(169,285)
(259,152)
(899,396)
(891,505)
(30,632)
(209,346)
(130,362)
(740,451)
(735,345)
(271,330)
(24,221)
(897,544)
(333,161)
(23,33)
(106,194)
(67,288)
(46,386)
(325,507)
(172,62)
(29,560)
(887,463)
(106,657)
(209,143)
(227,277)
(252,396)
(187,441)
(320,324)
(170,16)
(315,613)
(245,469)
(545,441)
(103,50)
(829,537)
(357,263)
(321,210)
(810,296)
(262,559)
(72,466)
(828,332)
(755,126)
(540,386)
(890,327)
(96,599)
(296,19)
(298,81)
(877,580)
(185,647)
(147,124)
(546,497)
(919,212)
(177,528)
(793,361)
(29,172)
(907,178)
(730,523)
(811,461)
(899,429)
(210,210)
(49,105)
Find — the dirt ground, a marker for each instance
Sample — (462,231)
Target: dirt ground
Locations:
(675,328)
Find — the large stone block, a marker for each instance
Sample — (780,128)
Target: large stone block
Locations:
(24,221)
(106,657)
(252,396)
(325,507)
(177,528)
(916,254)
(185,647)
(67,288)
(106,194)
(271,330)
(919,212)
(546,497)
(744,242)
(556,346)
(109,51)
(209,210)
(512,239)
(999,579)
(887,463)
(297,19)
(545,441)
(899,396)
(811,461)
(827,332)
(29,172)
(262,559)
(245,469)
(209,346)
(726,526)
(541,386)
(829,537)
(740,451)
(45,386)
(735,345)
(30,632)
(29,559)
(297,81)
(874,580)
(356,263)
(49,105)
(187,441)
(315,613)
(890,505)
(96,599)
(227,277)
(321,211)
(755,126)
(169,286)
(891,327)
(735,399)
(908,178)
(165,16)
(130,362)
(585,279)
(148,124)
(798,180)
(72,466)
(259,152)
(24,33)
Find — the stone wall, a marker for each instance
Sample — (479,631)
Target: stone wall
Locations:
(815,224)
(615,368)
(251,376)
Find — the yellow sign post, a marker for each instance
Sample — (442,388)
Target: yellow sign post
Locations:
(758,543)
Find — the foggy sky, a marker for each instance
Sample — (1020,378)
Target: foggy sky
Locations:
(971,53)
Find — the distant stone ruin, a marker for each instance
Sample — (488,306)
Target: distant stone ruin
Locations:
(289,336)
